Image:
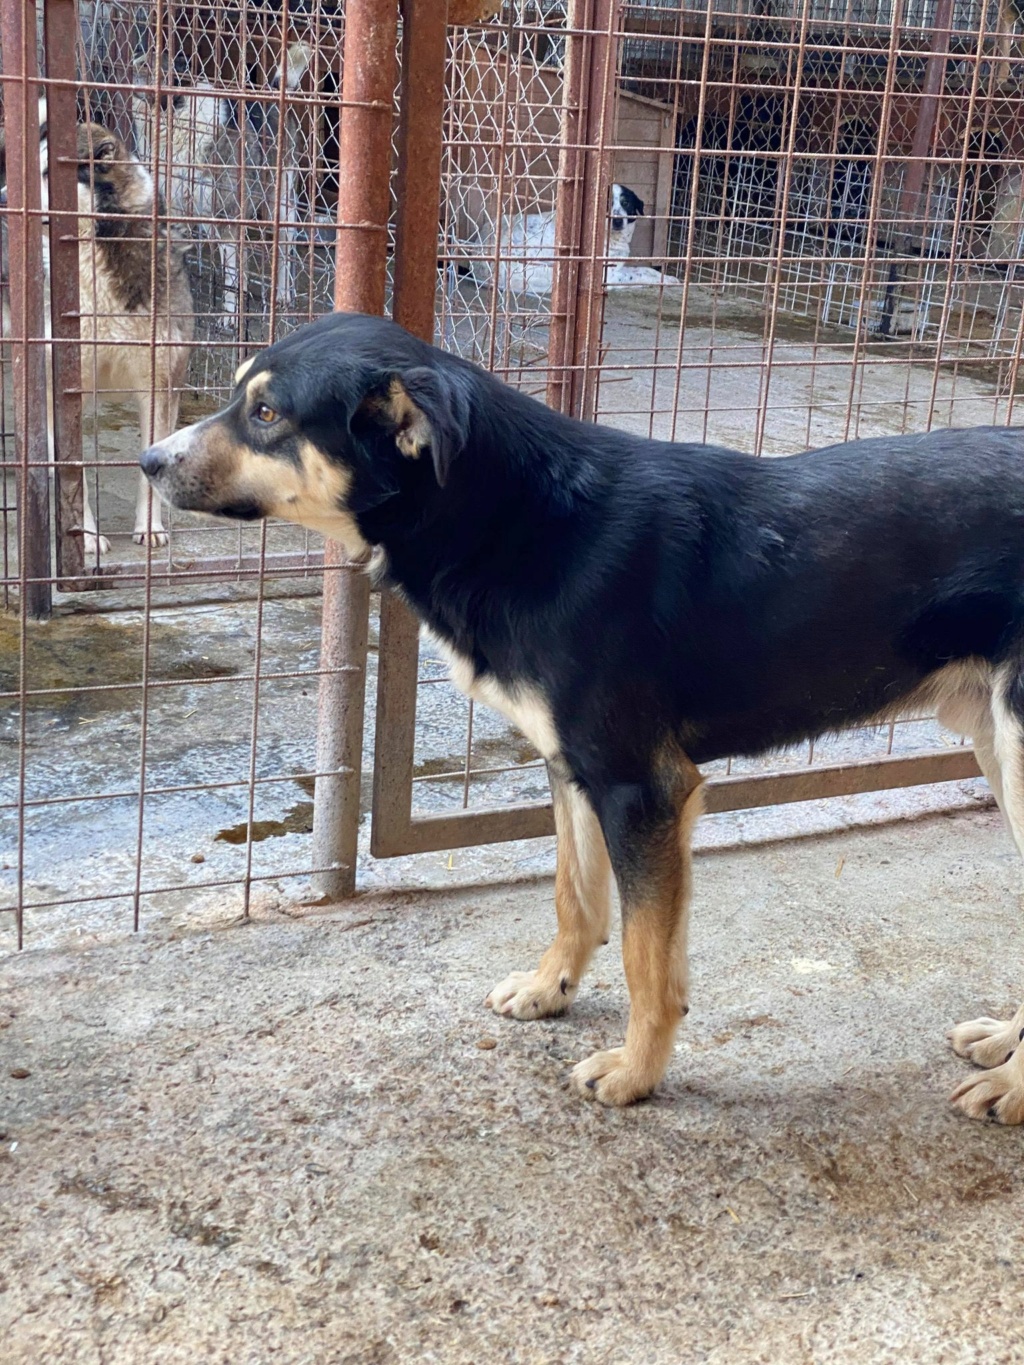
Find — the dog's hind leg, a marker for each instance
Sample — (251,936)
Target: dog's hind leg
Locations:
(648,829)
(992,1043)
(582,893)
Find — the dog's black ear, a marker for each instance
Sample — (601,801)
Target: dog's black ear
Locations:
(429,412)
(631,202)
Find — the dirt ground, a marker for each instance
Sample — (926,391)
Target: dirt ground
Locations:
(304,1139)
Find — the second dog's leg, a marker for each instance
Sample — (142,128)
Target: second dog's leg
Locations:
(158,416)
(648,833)
(993,1043)
(94,544)
(582,886)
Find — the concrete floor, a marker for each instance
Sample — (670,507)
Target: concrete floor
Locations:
(304,1139)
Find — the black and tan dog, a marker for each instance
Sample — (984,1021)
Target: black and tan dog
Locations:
(639,608)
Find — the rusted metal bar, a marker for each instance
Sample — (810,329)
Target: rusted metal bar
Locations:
(21,116)
(416,245)
(581,212)
(364,159)
(61,36)
(418,215)
(565,269)
(721,794)
(420,136)
(199,569)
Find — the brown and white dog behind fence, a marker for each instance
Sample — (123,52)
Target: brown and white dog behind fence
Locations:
(135,341)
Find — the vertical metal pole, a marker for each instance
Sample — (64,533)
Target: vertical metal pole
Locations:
(597,118)
(420,140)
(368,83)
(581,214)
(21,115)
(567,203)
(61,30)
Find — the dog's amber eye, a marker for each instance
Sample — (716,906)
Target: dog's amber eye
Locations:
(265,414)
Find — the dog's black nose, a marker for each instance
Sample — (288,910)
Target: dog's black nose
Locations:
(618,224)
(153,461)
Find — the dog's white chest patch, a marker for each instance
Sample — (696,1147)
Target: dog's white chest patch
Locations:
(523,706)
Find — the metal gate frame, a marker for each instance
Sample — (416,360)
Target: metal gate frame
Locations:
(576,324)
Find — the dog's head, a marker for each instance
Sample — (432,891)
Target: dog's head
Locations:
(627,207)
(174,73)
(111,181)
(333,428)
(298,59)
(108,174)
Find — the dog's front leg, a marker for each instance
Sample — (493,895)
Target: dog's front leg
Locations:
(158,416)
(648,828)
(582,887)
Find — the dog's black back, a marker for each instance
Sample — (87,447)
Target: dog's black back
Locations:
(646,588)
(641,585)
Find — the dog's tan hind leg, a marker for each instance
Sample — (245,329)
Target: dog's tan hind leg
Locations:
(995,1044)
(582,894)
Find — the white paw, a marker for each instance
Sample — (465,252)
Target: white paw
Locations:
(997,1094)
(985,1042)
(524,995)
(95,545)
(610,1078)
(158,536)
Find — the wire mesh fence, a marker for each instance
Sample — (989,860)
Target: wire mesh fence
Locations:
(702,222)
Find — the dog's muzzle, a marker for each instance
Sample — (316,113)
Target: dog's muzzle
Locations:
(162,462)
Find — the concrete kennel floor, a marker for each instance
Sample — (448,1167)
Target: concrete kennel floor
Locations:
(304,1139)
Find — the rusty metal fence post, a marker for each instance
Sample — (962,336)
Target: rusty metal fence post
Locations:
(24,223)
(361,258)
(577,292)
(424,37)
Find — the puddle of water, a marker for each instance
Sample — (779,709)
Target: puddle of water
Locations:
(298,820)
(76,651)
(487,753)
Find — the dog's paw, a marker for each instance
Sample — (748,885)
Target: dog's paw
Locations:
(610,1078)
(986,1042)
(155,538)
(997,1094)
(95,545)
(524,995)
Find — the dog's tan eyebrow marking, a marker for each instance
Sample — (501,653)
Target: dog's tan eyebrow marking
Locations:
(244,369)
(256,386)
